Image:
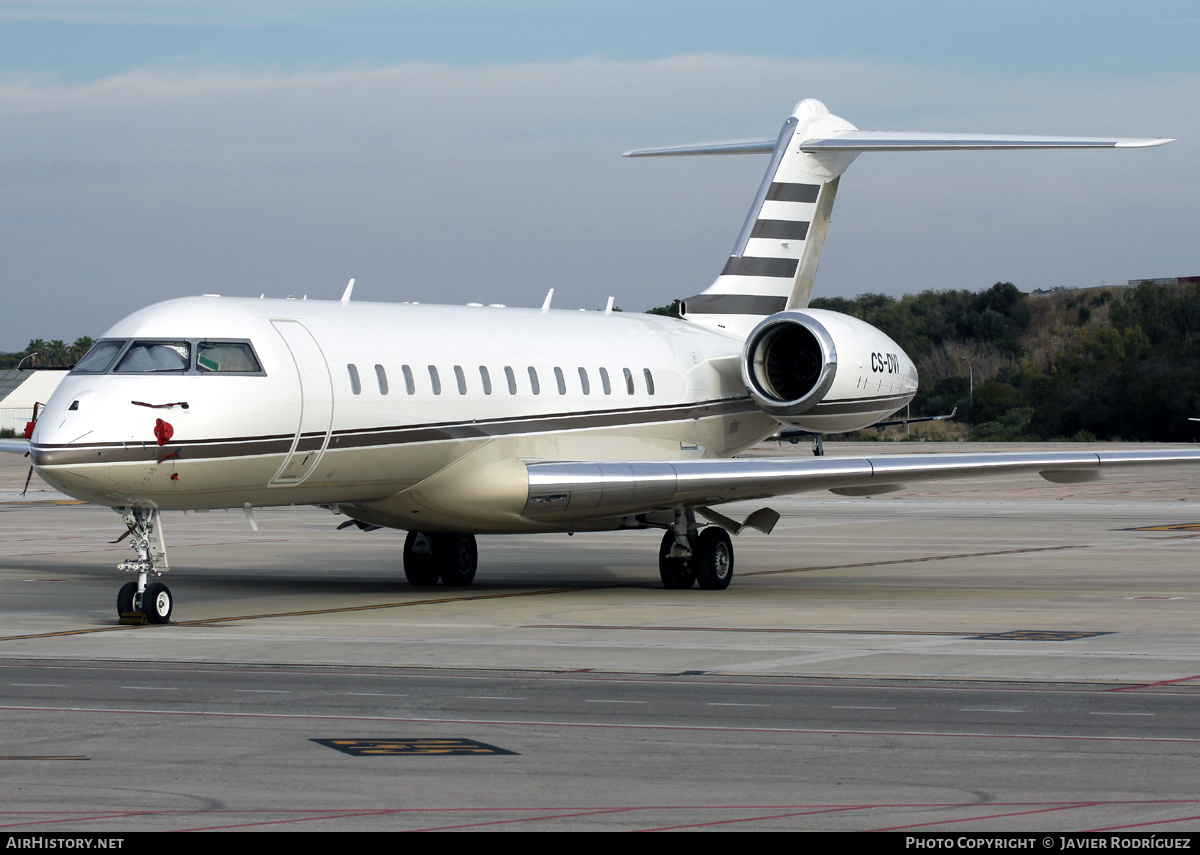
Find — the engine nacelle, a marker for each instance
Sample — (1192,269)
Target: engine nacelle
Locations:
(826,372)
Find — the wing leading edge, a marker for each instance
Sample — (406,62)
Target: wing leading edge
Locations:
(587,490)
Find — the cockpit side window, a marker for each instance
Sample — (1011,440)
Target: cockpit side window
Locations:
(226,357)
(156,357)
(99,357)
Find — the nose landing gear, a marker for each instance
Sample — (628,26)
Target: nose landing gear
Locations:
(143,601)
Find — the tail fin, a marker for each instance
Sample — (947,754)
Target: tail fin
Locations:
(774,262)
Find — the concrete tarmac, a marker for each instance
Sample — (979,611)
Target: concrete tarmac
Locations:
(1002,655)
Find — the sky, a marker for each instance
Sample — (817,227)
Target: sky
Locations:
(468,150)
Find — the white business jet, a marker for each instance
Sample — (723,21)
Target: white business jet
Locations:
(452,421)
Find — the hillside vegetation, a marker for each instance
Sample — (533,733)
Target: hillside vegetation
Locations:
(1120,363)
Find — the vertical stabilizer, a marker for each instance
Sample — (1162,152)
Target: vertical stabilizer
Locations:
(774,261)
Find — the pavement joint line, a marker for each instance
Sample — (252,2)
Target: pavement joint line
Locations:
(598,725)
(915,560)
(306,613)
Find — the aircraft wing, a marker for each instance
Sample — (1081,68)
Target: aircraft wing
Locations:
(14,446)
(569,490)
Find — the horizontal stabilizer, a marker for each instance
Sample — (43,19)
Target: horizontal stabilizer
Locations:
(860,141)
(892,141)
(766,145)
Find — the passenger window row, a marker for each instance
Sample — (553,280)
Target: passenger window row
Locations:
(510,377)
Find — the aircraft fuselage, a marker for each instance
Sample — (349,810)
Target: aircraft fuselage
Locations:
(404,415)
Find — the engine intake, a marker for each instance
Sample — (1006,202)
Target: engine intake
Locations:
(789,363)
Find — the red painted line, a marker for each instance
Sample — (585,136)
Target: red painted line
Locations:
(597,812)
(989,816)
(1152,685)
(761,818)
(1143,824)
(311,814)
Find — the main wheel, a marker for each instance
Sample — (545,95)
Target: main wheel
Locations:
(676,573)
(457,557)
(420,568)
(125,598)
(157,603)
(713,558)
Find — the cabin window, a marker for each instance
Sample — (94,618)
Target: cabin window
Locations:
(461,378)
(584,383)
(355,385)
(628,380)
(604,381)
(533,381)
(485,379)
(99,357)
(560,380)
(410,385)
(226,357)
(381,379)
(511,378)
(434,380)
(649,381)
(156,357)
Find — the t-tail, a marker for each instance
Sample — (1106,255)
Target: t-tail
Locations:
(774,261)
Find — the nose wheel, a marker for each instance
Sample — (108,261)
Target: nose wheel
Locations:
(144,601)
(154,605)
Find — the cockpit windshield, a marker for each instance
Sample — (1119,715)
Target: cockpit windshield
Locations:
(155,356)
(182,356)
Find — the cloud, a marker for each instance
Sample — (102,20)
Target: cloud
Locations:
(494,183)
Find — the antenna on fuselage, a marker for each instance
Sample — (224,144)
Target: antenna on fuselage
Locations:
(347,292)
(549,297)
(609,307)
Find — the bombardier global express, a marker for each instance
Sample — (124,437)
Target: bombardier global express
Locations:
(452,421)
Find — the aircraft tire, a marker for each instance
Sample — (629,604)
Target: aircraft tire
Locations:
(713,556)
(676,573)
(125,598)
(457,557)
(420,568)
(157,603)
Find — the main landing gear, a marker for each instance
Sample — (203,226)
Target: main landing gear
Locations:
(688,555)
(449,557)
(144,601)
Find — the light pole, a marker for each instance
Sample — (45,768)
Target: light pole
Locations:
(971,398)
(30,356)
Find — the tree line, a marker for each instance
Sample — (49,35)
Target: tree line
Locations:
(1090,364)
(48,354)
